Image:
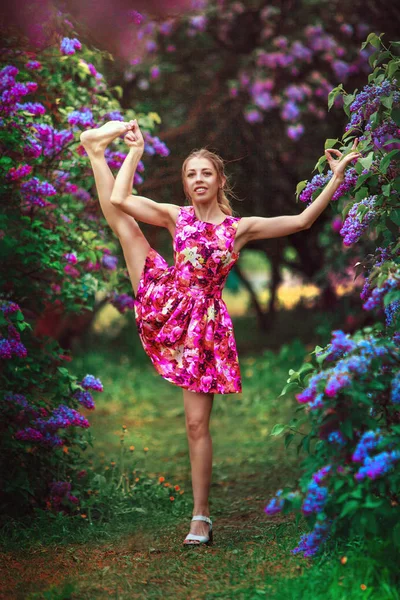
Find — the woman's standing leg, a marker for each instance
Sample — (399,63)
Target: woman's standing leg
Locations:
(134,244)
(198,410)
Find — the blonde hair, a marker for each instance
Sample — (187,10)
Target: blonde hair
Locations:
(219,165)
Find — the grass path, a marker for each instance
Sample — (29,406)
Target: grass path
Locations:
(142,556)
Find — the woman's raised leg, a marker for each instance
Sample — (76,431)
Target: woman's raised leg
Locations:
(198,410)
(134,244)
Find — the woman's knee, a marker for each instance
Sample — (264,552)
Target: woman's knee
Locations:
(197,429)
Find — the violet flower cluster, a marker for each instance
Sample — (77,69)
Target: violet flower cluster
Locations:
(317,495)
(69,46)
(319,180)
(60,490)
(395,392)
(368,101)
(122,302)
(378,465)
(11,91)
(310,543)
(353,228)
(35,191)
(355,363)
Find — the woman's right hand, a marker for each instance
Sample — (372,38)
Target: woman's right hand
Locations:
(134,138)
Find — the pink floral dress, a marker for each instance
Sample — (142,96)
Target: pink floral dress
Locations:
(182,320)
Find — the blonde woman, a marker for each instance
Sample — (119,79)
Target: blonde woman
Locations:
(182,321)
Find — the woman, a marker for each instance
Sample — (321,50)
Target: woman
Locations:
(182,320)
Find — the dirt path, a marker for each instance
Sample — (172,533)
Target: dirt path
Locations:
(249,549)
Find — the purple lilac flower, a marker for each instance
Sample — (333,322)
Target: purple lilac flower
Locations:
(70,270)
(5,349)
(16,173)
(352,228)
(62,418)
(253,116)
(34,108)
(33,65)
(391,312)
(113,115)
(85,398)
(396,338)
(336,437)
(375,298)
(315,499)
(290,111)
(369,441)
(52,141)
(318,181)
(32,149)
(340,345)
(310,542)
(395,394)
(276,504)
(378,465)
(89,382)
(294,132)
(122,302)
(68,46)
(368,101)
(135,17)
(34,189)
(8,307)
(81,117)
(71,257)
(109,262)
(320,475)
(114,158)
(350,180)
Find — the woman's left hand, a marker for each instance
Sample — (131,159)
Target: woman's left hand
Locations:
(339,165)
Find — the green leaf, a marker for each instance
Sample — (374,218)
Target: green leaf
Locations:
(372,39)
(300,187)
(278,428)
(395,114)
(385,162)
(367,161)
(288,439)
(391,297)
(347,428)
(333,94)
(330,143)
(350,507)
(288,388)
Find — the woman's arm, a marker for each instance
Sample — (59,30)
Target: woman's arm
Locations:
(256,228)
(139,207)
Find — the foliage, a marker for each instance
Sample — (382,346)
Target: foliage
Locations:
(351,389)
(56,254)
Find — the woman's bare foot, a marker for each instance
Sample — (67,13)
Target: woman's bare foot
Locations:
(95,141)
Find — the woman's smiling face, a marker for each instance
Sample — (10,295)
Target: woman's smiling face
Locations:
(201,180)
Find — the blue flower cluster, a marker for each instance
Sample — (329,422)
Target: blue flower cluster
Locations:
(122,302)
(68,46)
(353,228)
(83,117)
(395,395)
(368,101)
(318,181)
(89,382)
(340,345)
(378,465)
(336,437)
(369,441)
(85,398)
(315,499)
(276,504)
(341,375)
(34,189)
(310,542)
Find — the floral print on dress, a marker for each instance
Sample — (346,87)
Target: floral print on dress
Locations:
(182,320)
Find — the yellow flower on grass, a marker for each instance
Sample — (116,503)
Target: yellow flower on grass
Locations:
(131,448)
(145,449)
(161,479)
(177,487)
(363,586)
(343,560)
(171,498)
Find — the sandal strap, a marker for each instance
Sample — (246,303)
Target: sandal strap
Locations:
(198,538)
(202,518)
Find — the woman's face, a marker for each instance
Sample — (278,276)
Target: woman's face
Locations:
(201,180)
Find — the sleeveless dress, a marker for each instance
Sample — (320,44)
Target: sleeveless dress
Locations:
(182,320)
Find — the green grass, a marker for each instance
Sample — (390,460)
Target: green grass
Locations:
(139,554)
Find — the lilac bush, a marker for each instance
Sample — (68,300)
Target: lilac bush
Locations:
(56,254)
(351,389)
